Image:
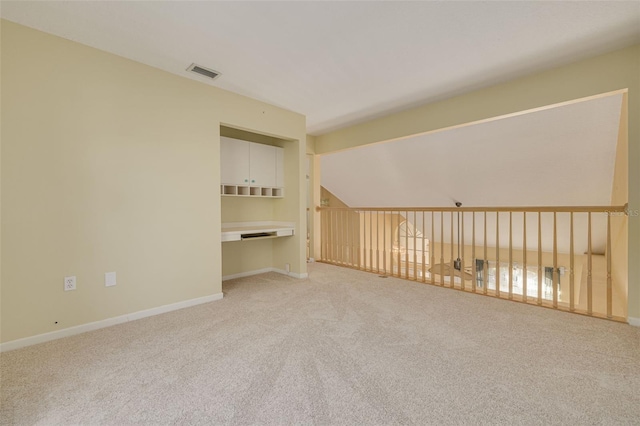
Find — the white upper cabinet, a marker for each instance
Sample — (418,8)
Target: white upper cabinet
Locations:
(252,169)
(234,161)
(262,164)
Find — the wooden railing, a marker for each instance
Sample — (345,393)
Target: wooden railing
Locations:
(556,257)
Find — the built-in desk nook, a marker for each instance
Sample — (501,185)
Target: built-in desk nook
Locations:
(260,221)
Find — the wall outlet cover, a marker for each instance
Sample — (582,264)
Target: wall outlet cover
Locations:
(69,283)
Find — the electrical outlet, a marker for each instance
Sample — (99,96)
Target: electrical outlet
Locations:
(109,279)
(287,267)
(69,283)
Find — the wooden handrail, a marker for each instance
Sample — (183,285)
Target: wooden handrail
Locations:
(529,209)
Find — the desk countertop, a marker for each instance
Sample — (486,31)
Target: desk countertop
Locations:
(233,231)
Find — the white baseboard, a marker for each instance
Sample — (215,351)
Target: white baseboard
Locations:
(290,274)
(83,328)
(634,321)
(264,270)
(247,274)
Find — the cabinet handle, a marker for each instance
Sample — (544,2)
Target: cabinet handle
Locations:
(246,180)
(253,180)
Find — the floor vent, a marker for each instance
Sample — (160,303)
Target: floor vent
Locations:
(203,71)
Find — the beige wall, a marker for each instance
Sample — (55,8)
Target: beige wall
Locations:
(601,74)
(111,165)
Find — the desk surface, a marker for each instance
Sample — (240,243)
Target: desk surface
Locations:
(235,231)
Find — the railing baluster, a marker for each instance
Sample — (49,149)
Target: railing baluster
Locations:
(348,236)
(392,238)
(342,254)
(358,232)
(554,275)
(338,228)
(571,266)
(424,259)
(334,229)
(589,269)
(510,256)
(461,249)
(539,259)
(356,239)
(609,283)
(451,268)
(370,241)
(473,252)
(384,242)
(392,259)
(431,248)
(330,231)
(323,237)
(415,255)
(497,254)
(524,257)
(441,248)
(399,253)
(406,245)
(378,242)
(485,262)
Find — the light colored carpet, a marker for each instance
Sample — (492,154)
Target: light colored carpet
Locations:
(343,347)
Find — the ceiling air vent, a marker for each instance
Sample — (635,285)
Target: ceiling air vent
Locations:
(203,71)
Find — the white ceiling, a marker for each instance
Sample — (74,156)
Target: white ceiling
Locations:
(340,63)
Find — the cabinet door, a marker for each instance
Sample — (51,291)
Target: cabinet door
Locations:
(262,164)
(280,167)
(234,161)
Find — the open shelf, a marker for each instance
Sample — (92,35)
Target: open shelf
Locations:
(251,191)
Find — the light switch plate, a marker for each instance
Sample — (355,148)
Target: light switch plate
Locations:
(109,279)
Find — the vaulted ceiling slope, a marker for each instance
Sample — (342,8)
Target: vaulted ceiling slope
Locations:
(340,63)
(562,156)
